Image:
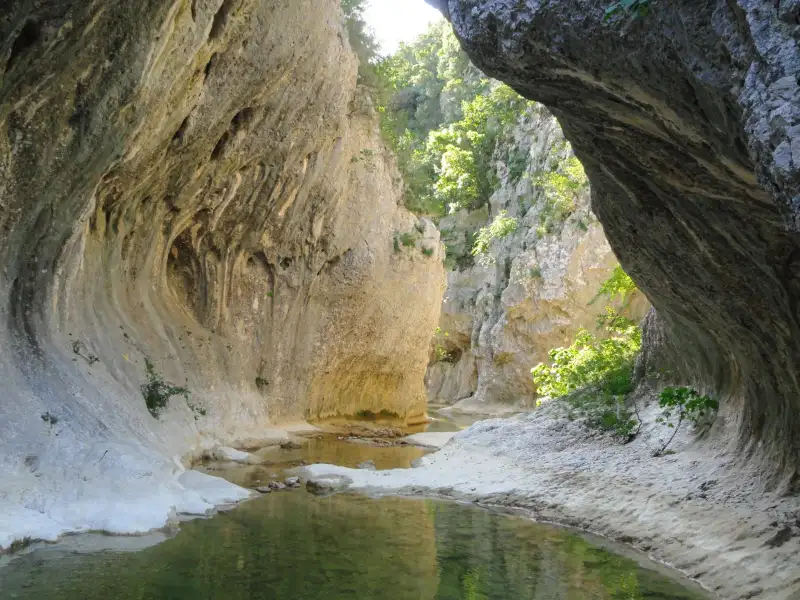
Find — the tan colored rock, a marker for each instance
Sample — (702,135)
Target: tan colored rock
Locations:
(202,184)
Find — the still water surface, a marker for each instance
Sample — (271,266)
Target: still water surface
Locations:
(295,546)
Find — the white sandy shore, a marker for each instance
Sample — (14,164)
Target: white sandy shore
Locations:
(145,505)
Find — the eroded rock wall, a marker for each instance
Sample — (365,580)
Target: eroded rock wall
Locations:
(202,184)
(687,121)
(534,289)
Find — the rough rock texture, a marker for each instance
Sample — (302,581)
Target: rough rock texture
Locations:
(688,124)
(502,316)
(200,183)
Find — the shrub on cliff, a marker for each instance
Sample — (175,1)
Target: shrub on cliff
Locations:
(502,226)
(157,392)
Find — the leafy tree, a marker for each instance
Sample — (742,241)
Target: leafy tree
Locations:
(602,367)
(363,42)
(444,120)
(589,361)
(619,285)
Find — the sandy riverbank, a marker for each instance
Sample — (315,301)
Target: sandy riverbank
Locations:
(696,510)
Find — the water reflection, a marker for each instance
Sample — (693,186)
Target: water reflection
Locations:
(295,546)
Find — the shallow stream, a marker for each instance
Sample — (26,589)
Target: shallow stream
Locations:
(293,545)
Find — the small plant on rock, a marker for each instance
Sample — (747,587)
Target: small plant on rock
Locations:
(633,8)
(157,392)
(683,404)
(408,240)
(502,226)
(427,251)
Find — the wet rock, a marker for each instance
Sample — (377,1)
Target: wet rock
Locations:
(292,482)
(263,489)
(277,485)
(290,445)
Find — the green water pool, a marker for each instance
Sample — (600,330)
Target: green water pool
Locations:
(296,546)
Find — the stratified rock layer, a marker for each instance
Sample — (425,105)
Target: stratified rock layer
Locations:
(688,124)
(202,184)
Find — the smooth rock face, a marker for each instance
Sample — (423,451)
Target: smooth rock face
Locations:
(535,289)
(688,124)
(202,184)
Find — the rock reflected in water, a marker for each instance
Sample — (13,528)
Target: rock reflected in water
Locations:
(295,546)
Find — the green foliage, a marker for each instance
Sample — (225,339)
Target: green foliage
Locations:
(427,251)
(444,120)
(502,226)
(595,375)
(619,285)
(634,8)
(535,273)
(560,187)
(157,392)
(363,42)
(408,239)
(517,162)
(396,244)
(679,404)
(589,361)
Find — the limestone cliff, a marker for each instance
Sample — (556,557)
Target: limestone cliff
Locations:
(199,183)
(688,123)
(503,313)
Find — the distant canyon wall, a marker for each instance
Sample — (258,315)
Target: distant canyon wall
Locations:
(532,291)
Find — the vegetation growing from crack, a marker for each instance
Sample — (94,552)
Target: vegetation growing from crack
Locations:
(680,404)
(408,240)
(501,227)
(157,392)
(632,8)
(560,186)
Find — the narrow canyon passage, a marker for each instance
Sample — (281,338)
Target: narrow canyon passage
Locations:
(279,263)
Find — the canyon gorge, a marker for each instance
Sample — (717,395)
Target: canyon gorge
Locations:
(225,224)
